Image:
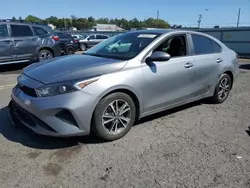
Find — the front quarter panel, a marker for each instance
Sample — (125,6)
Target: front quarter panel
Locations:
(129,78)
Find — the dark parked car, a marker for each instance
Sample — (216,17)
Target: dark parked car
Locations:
(91,41)
(27,42)
(67,43)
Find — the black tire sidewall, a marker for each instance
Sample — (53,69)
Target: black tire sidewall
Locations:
(216,97)
(41,51)
(97,118)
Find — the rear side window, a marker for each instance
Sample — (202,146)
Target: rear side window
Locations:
(202,45)
(20,31)
(64,36)
(40,31)
(3,31)
(217,47)
(101,37)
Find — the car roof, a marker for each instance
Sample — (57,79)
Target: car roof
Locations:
(164,31)
(25,23)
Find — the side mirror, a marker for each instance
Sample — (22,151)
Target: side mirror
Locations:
(88,38)
(158,56)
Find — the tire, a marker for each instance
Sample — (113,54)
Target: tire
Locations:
(222,90)
(114,50)
(44,55)
(70,50)
(114,128)
(83,47)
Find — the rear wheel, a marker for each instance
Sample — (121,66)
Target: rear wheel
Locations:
(70,50)
(44,55)
(222,89)
(83,47)
(114,116)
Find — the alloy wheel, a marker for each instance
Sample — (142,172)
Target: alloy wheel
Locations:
(116,117)
(224,88)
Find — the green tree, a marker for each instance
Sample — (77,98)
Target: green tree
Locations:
(14,18)
(33,19)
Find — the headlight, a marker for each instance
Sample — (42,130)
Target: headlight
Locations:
(61,88)
(51,90)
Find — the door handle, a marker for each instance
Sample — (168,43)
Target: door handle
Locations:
(188,65)
(219,60)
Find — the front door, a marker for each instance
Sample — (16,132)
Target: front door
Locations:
(168,83)
(25,44)
(6,45)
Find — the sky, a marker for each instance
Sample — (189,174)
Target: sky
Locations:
(181,12)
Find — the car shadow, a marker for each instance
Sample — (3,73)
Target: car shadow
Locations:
(13,68)
(20,134)
(171,111)
(245,66)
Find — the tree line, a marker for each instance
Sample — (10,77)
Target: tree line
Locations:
(84,23)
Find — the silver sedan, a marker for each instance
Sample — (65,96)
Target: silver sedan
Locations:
(107,91)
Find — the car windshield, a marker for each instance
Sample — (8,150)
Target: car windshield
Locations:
(84,36)
(124,46)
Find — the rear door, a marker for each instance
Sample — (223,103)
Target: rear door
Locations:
(6,45)
(25,42)
(208,63)
(92,41)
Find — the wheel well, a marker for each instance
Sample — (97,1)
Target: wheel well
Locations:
(132,95)
(230,74)
(49,49)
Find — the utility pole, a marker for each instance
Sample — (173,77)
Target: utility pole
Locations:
(199,20)
(158,12)
(238,20)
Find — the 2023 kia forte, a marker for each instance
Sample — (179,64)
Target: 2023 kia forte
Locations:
(106,91)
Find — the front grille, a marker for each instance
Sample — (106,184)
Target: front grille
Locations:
(21,114)
(27,118)
(27,90)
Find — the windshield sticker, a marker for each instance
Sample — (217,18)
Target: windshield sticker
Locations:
(146,36)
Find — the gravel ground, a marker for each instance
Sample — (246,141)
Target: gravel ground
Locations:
(198,145)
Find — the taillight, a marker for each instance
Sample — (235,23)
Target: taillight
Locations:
(76,41)
(56,38)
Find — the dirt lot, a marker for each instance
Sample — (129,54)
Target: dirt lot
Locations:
(197,145)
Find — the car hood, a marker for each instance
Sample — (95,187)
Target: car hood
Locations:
(72,67)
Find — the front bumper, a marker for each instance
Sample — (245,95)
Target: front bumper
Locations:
(61,115)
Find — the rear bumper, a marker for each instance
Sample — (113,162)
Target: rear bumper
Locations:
(57,50)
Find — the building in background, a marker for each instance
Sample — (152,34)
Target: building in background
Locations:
(72,29)
(106,27)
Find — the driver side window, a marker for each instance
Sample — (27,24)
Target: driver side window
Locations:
(175,46)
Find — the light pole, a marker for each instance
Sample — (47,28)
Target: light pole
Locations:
(238,19)
(199,20)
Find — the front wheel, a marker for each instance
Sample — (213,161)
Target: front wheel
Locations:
(222,89)
(114,116)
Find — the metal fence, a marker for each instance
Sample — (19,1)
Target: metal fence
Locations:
(238,39)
